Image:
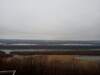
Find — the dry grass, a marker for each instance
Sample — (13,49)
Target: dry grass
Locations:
(49,65)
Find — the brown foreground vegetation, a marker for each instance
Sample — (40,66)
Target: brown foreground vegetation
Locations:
(49,65)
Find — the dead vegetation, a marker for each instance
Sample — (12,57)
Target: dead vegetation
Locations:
(48,65)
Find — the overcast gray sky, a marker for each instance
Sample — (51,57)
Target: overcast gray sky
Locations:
(50,19)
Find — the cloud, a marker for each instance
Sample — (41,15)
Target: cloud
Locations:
(50,19)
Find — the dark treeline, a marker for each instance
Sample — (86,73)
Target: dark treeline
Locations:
(48,47)
(18,41)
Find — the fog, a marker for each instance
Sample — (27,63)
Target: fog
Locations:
(50,19)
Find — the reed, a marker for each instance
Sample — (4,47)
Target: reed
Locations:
(49,65)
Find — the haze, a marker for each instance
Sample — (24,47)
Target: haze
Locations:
(50,19)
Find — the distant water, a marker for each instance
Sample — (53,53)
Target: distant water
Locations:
(55,44)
